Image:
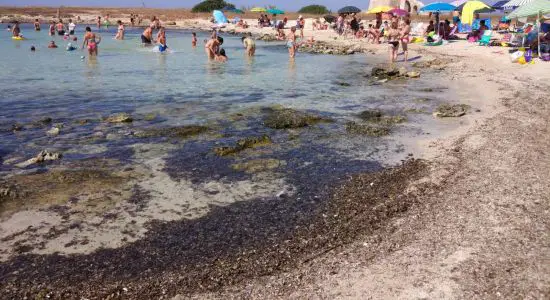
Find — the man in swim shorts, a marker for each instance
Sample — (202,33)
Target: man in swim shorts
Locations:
(212,47)
(90,42)
(249,44)
(72,27)
(147,36)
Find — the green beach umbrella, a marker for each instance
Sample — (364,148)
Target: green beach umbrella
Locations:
(258,9)
(237,11)
(533,8)
(275,11)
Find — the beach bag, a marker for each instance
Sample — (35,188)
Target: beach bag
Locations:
(516,55)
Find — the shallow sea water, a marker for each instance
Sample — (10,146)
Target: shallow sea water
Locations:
(181,87)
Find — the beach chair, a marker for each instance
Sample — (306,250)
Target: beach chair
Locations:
(486,38)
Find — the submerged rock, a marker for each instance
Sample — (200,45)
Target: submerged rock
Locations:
(448,110)
(368,115)
(376,116)
(290,118)
(367,129)
(434,63)
(258,165)
(120,118)
(243,144)
(41,157)
(173,132)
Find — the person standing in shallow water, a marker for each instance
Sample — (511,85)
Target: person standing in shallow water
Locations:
(291,42)
(120,32)
(36,25)
(98,23)
(91,42)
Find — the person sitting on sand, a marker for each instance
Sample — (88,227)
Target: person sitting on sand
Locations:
(221,57)
(161,39)
(249,44)
(430,28)
(194,39)
(52,45)
(477,34)
(90,42)
(212,47)
(16,31)
(120,32)
(291,42)
(147,36)
(36,25)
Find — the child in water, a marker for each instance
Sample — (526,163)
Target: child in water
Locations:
(161,39)
(16,32)
(221,57)
(194,39)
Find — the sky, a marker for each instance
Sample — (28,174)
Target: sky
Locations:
(292,5)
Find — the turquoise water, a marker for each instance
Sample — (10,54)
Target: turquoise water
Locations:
(182,87)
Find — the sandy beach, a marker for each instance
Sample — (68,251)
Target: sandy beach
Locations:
(461,214)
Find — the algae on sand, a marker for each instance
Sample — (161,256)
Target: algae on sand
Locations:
(242,144)
(180,132)
(291,118)
(258,165)
(448,110)
(367,129)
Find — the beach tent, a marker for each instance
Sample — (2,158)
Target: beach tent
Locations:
(533,8)
(219,17)
(500,4)
(470,8)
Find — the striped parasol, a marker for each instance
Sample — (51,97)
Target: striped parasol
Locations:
(515,3)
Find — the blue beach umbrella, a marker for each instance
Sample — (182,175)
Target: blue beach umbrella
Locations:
(438,7)
(275,11)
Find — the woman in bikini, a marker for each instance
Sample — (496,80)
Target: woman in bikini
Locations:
(393,40)
(291,42)
(120,32)
(405,37)
(90,42)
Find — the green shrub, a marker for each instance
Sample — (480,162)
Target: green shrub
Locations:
(210,5)
(314,9)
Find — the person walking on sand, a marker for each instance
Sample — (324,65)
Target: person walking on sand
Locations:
(36,25)
(249,44)
(91,42)
(393,41)
(212,47)
(405,37)
(147,36)
(291,42)
(120,32)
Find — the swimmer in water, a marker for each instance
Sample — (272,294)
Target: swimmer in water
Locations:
(70,47)
(249,44)
(90,42)
(221,57)
(212,47)
(36,25)
(33,48)
(120,32)
(52,45)
(161,39)
(194,40)
(16,31)
(147,36)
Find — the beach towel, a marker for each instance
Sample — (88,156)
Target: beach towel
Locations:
(486,38)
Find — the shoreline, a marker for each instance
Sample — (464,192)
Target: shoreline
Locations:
(420,196)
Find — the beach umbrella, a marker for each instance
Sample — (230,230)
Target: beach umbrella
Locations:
(275,11)
(237,11)
(329,18)
(438,7)
(471,7)
(379,9)
(349,10)
(398,12)
(500,4)
(533,8)
(460,2)
(258,9)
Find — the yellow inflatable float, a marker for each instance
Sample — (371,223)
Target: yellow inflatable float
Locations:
(18,38)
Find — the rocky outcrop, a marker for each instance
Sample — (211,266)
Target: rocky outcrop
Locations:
(290,118)
(327,48)
(448,110)
(243,144)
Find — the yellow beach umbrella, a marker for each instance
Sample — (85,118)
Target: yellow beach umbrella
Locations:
(469,9)
(379,9)
(258,9)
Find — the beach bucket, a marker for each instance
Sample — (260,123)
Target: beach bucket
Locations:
(516,55)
